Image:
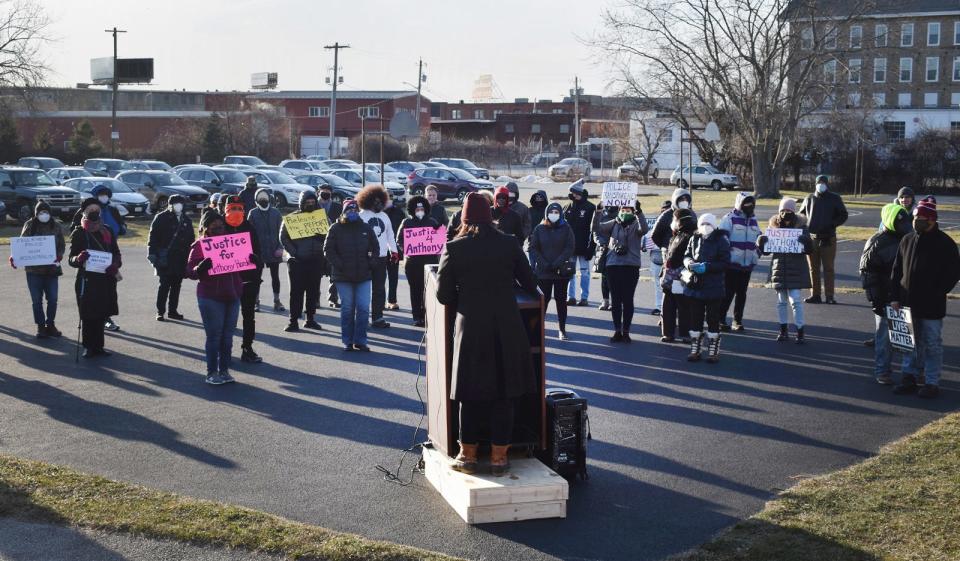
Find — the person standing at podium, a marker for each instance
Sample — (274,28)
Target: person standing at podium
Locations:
(492,365)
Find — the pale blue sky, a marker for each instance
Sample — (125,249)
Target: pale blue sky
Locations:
(531,47)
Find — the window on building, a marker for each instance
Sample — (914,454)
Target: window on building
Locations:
(955,99)
(956,69)
(856,37)
(955,127)
(830,72)
(906,35)
(830,41)
(369,112)
(318,112)
(879,100)
(880,35)
(806,39)
(956,33)
(906,69)
(497,113)
(933,68)
(478,113)
(666,135)
(904,99)
(854,70)
(564,128)
(933,34)
(508,128)
(853,99)
(557,110)
(896,131)
(879,70)
(535,128)
(930,99)
(456,113)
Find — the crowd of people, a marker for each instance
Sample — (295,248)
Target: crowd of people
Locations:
(701,265)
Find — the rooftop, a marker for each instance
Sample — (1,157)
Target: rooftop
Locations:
(341,94)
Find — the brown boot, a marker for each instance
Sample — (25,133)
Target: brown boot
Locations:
(499,462)
(466,460)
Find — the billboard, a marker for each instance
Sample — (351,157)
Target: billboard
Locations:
(263,80)
(129,70)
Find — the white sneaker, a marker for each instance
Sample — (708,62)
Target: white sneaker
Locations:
(563,336)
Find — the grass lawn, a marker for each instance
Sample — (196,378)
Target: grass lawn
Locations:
(902,505)
(40,492)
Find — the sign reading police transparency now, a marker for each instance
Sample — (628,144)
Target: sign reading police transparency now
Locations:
(618,194)
(900,329)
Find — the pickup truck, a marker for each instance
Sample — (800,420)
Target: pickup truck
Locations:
(22,188)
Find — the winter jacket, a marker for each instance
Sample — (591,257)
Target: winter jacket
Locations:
(509,222)
(248,196)
(579,214)
(714,250)
(824,212)
(876,266)
(552,245)
(227,287)
(310,248)
(629,237)
(397,215)
(454,225)
(438,213)
(267,223)
(173,235)
(96,292)
(332,208)
(788,271)
(526,220)
(926,269)
(249,275)
(742,231)
(115,222)
(352,250)
(34,227)
(538,209)
(673,260)
(662,229)
(382,228)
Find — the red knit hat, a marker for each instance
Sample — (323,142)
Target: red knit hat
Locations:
(476,210)
(927,208)
(501,194)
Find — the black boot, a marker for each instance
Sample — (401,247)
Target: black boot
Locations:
(799,335)
(784,334)
(52,330)
(906,386)
(248,355)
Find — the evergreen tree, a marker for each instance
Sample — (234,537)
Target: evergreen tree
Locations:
(214,141)
(10,150)
(84,142)
(43,141)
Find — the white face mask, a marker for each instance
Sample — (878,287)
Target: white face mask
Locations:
(553,217)
(43,217)
(263,203)
(821,187)
(103,199)
(683,204)
(706,229)
(177,207)
(420,214)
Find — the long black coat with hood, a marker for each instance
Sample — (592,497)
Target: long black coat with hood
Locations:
(352,249)
(308,249)
(413,222)
(173,234)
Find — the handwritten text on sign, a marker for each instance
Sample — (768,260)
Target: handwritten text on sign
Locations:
(617,194)
(306,224)
(98,261)
(900,329)
(784,240)
(424,241)
(230,253)
(33,250)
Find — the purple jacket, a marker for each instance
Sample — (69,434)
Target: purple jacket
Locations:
(223,288)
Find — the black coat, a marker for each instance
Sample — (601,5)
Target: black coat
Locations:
(249,275)
(174,235)
(926,268)
(714,250)
(248,196)
(414,222)
(551,246)
(824,213)
(438,213)
(788,271)
(579,214)
(333,210)
(876,266)
(310,248)
(352,250)
(396,215)
(96,292)
(491,349)
(509,222)
(454,226)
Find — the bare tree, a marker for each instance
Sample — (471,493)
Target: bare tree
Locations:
(653,133)
(22,24)
(753,66)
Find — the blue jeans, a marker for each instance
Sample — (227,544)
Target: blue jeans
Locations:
(219,323)
(583,264)
(796,302)
(882,351)
(38,286)
(354,310)
(657,290)
(928,354)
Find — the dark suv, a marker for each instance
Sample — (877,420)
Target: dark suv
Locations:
(467,165)
(450,182)
(244,160)
(158,186)
(22,188)
(104,167)
(39,162)
(214,179)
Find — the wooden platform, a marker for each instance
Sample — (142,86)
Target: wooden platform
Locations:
(529,490)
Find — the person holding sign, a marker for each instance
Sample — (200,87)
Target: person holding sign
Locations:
(353,252)
(237,223)
(552,244)
(419,252)
(625,247)
(43,279)
(306,263)
(926,269)
(94,251)
(789,271)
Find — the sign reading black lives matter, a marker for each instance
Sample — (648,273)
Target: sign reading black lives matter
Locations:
(900,329)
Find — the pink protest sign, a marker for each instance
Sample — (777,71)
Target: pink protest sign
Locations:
(424,241)
(230,253)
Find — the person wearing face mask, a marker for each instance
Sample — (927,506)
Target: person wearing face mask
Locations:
(43,280)
(235,217)
(676,307)
(248,195)
(538,212)
(681,199)
(601,241)
(517,206)
(437,212)
(96,292)
(876,266)
(824,212)
(111,219)
(708,255)
(926,269)
(505,219)
(397,216)
(353,251)
(579,214)
(742,230)
(168,244)
(306,265)
(218,297)
(333,209)
(419,209)
(265,219)
(552,244)
(656,264)
(372,200)
(789,272)
(625,248)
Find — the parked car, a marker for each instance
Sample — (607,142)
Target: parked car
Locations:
(389,173)
(67,172)
(339,164)
(544,159)
(405,166)
(244,160)
(158,186)
(632,168)
(397,191)
(342,189)
(704,175)
(466,165)
(339,161)
(286,189)
(132,202)
(302,165)
(238,167)
(157,164)
(218,179)
(432,165)
(40,162)
(570,168)
(104,167)
(452,183)
(22,188)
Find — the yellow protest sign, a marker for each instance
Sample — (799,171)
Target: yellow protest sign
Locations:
(306,224)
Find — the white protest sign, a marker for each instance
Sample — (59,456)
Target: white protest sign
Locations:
(618,194)
(98,261)
(900,329)
(30,251)
(784,240)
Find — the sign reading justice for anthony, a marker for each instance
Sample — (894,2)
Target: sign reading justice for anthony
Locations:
(230,253)
(424,241)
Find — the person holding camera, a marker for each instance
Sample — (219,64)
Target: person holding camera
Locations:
(552,244)
(706,260)
(171,235)
(625,246)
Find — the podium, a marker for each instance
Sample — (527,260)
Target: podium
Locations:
(529,430)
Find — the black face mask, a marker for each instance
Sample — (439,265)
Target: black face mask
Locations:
(309,207)
(324,195)
(94,216)
(377,206)
(747,210)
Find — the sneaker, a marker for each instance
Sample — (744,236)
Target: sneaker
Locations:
(626,337)
(666,339)
(159,317)
(813,300)
(349,348)
(737,326)
(292,327)
(104,353)
(571,301)
(380,323)
(393,306)
(256,307)
(110,325)
(885,379)
(562,335)
(361,348)
(175,315)
(907,386)
(617,337)
(41,331)
(784,334)
(800,336)
(52,330)
(583,302)
(655,312)
(312,324)
(604,306)
(247,354)
(724,327)
(226,377)
(419,323)
(214,380)
(871,342)
(929,391)
(830,301)
(278,307)
(334,305)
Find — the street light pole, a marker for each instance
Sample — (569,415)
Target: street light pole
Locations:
(333,94)
(419,86)
(114,133)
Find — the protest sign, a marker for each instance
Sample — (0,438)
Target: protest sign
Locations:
(618,194)
(784,240)
(306,224)
(230,253)
(98,261)
(424,241)
(900,329)
(30,251)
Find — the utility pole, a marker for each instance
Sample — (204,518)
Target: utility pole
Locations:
(114,133)
(333,94)
(576,114)
(419,85)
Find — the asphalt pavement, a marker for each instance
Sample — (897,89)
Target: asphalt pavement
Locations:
(679,450)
